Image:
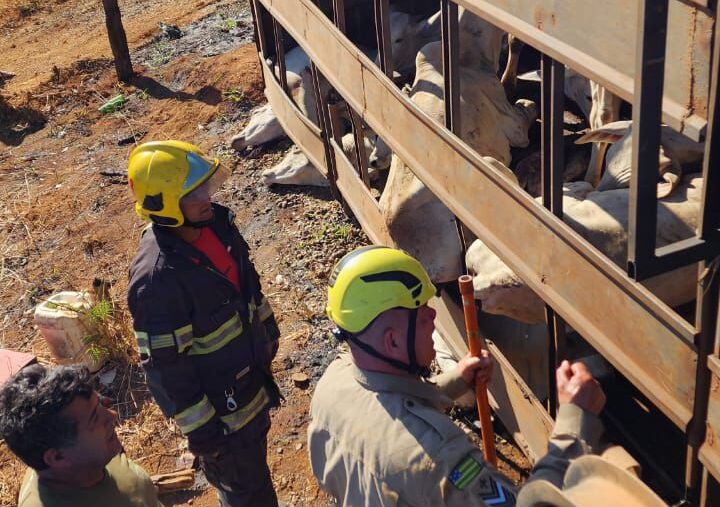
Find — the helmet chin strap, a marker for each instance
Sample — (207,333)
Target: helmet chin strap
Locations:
(199,224)
(412,367)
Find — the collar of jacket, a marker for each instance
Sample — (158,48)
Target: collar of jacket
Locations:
(414,387)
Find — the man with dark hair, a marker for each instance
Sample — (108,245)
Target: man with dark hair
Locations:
(55,422)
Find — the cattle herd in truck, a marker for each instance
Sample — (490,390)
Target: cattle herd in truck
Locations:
(595,195)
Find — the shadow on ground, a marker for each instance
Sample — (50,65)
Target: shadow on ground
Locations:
(18,123)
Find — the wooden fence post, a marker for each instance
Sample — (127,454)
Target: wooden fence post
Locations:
(118,41)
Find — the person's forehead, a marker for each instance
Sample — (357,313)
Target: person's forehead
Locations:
(81,408)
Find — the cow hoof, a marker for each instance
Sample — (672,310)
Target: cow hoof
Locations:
(238,143)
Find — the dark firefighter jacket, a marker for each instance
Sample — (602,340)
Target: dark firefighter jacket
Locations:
(206,348)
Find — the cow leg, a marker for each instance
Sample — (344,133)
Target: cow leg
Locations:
(509,77)
(605,109)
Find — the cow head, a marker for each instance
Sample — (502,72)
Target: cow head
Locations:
(294,169)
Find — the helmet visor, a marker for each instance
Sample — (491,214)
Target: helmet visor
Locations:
(207,189)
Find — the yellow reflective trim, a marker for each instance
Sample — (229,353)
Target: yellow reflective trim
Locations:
(161,341)
(244,415)
(143,342)
(264,310)
(251,310)
(195,416)
(184,337)
(219,338)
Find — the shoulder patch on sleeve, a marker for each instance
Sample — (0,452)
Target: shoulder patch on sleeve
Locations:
(465,472)
(490,489)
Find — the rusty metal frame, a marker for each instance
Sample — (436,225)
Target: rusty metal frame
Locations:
(541,24)
(710,215)
(640,317)
(706,322)
(678,348)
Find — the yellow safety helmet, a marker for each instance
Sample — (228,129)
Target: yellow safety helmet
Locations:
(371,280)
(163,172)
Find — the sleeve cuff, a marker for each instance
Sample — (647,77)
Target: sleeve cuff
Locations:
(573,420)
(451,384)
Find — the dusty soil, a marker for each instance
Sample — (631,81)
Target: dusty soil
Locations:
(66,214)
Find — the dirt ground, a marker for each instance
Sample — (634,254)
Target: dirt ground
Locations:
(66,214)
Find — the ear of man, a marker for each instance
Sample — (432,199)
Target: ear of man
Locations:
(54,458)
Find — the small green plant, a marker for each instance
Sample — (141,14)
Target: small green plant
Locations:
(142,94)
(101,312)
(234,95)
(228,25)
(113,105)
(101,338)
(333,232)
(94,349)
(161,54)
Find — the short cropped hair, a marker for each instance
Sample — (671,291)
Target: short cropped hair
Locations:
(30,406)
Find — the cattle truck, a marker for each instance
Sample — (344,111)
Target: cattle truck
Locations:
(661,58)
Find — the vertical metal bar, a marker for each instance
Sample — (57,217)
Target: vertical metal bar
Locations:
(557,141)
(451,57)
(324,124)
(705,324)
(553,164)
(360,155)
(256,32)
(263,21)
(647,115)
(546,130)
(280,54)
(710,213)
(382,32)
(451,78)
(339,14)
(710,491)
(336,130)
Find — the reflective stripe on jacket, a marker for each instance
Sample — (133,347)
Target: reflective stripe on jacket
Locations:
(206,348)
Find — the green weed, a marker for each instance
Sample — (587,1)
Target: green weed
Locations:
(234,95)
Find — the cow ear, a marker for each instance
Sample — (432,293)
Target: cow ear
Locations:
(609,133)
(534,76)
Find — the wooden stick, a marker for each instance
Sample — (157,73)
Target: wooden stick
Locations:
(476,345)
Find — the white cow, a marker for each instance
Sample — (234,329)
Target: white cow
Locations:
(264,126)
(409,33)
(676,151)
(296,169)
(576,87)
(489,124)
(602,219)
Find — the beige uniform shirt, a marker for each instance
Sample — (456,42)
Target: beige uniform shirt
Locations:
(384,440)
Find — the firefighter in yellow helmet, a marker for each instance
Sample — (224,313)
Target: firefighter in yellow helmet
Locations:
(205,332)
(379,434)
